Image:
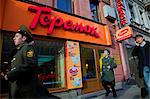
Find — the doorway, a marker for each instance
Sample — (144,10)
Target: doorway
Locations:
(90,68)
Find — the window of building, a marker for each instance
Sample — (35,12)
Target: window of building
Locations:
(149,19)
(51,63)
(50,3)
(131,11)
(65,5)
(88,63)
(141,16)
(94,10)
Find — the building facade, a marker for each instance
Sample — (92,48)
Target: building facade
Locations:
(140,22)
(70,37)
(136,15)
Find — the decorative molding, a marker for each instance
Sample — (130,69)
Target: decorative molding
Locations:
(138,2)
(140,30)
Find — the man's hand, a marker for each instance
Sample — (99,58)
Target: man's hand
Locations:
(5,77)
(108,67)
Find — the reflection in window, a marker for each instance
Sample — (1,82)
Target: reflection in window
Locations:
(88,62)
(51,63)
(101,56)
(8,45)
(94,10)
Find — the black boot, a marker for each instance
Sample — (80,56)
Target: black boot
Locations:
(144,92)
(114,95)
(107,93)
(114,92)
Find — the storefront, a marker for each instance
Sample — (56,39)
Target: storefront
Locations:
(70,48)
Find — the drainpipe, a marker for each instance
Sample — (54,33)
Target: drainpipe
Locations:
(122,49)
(124,61)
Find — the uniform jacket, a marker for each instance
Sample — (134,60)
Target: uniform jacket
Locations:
(24,83)
(136,52)
(108,74)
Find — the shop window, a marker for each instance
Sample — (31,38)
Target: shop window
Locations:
(65,5)
(94,10)
(88,63)
(51,63)
(7,46)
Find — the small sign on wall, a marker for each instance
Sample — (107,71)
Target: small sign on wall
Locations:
(73,65)
(124,33)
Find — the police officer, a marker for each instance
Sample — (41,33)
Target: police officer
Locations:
(108,78)
(24,83)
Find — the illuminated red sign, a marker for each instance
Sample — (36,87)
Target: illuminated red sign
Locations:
(121,12)
(46,76)
(43,16)
(124,33)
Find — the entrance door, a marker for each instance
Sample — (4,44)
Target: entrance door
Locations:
(90,69)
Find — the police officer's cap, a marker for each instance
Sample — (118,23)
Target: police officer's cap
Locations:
(138,35)
(23,30)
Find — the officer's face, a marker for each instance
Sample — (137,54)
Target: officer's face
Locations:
(139,40)
(106,53)
(18,39)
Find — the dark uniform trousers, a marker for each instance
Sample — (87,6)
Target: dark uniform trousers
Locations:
(107,86)
(108,78)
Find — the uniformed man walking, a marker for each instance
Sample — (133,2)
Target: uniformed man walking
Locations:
(108,78)
(24,82)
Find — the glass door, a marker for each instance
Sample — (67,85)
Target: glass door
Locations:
(89,62)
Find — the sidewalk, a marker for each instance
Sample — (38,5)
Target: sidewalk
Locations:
(125,92)
(131,92)
(119,86)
